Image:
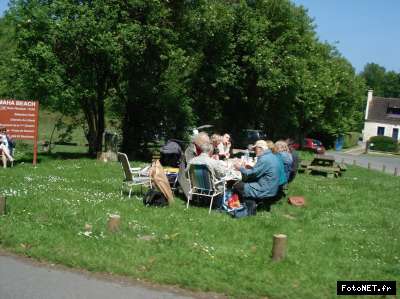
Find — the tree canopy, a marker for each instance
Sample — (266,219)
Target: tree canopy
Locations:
(164,66)
(384,83)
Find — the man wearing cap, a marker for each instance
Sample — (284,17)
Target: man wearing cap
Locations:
(262,180)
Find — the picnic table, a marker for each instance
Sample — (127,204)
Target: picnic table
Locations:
(323,164)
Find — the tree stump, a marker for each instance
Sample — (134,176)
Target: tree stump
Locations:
(2,205)
(279,247)
(113,223)
(369,165)
(88,227)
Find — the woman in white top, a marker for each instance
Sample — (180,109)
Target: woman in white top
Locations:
(225,146)
(4,149)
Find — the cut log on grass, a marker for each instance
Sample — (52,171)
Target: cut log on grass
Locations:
(113,223)
(279,247)
(88,227)
(2,205)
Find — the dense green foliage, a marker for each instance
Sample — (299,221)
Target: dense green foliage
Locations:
(383,143)
(7,50)
(351,139)
(163,66)
(384,83)
(347,230)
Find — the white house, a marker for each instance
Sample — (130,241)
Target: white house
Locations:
(382,117)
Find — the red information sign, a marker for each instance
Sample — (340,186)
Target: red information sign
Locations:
(21,120)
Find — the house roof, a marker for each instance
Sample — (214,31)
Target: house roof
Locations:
(378,110)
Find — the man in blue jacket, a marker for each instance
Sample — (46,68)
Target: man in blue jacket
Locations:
(262,180)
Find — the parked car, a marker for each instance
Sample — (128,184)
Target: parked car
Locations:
(246,137)
(311,144)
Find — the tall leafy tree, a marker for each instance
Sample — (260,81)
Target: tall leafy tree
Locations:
(8,86)
(392,84)
(153,78)
(66,56)
(384,83)
(374,76)
(164,65)
(260,65)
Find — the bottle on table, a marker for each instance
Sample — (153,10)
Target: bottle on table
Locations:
(246,155)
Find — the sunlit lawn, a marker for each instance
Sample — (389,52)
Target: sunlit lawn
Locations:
(348,230)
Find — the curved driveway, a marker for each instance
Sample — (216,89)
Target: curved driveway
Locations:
(376,161)
(20,279)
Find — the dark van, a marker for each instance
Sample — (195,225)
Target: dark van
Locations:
(247,137)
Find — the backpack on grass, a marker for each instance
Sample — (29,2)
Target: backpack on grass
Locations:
(155,198)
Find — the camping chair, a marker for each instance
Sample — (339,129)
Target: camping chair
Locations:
(202,182)
(172,175)
(133,176)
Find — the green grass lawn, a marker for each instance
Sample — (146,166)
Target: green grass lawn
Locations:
(348,230)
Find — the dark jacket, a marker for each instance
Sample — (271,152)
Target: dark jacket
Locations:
(295,165)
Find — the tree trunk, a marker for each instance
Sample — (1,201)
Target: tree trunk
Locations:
(94,114)
(2,205)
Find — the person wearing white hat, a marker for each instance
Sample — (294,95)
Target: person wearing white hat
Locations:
(261,181)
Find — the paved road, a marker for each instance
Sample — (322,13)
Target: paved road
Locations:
(375,161)
(22,280)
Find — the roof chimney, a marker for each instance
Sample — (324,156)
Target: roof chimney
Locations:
(369,99)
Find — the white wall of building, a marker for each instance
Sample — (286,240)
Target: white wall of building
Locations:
(371,129)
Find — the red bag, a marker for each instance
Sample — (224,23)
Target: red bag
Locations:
(233,201)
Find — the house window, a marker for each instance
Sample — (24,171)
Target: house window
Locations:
(393,111)
(381,131)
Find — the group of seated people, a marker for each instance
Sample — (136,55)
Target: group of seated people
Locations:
(220,146)
(275,166)
(6,148)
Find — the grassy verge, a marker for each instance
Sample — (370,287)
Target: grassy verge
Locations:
(347,231)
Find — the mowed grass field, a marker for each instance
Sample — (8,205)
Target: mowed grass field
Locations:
(348,230)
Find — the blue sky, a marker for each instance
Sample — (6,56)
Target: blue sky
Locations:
(3,6)
(363,30)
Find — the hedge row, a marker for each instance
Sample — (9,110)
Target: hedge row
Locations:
(383,143)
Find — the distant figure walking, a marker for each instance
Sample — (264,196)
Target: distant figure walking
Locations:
(5,147)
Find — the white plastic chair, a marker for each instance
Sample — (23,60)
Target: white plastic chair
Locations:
(133,176)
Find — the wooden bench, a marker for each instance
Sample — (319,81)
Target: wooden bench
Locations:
(330,172)
(324,164)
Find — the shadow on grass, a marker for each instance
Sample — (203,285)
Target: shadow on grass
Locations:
(66,156)
(43,157)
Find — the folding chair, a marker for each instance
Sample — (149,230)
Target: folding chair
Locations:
(172,175)
(202,182)
(133,176)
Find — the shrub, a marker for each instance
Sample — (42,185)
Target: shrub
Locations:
(351,139)
(383,143)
